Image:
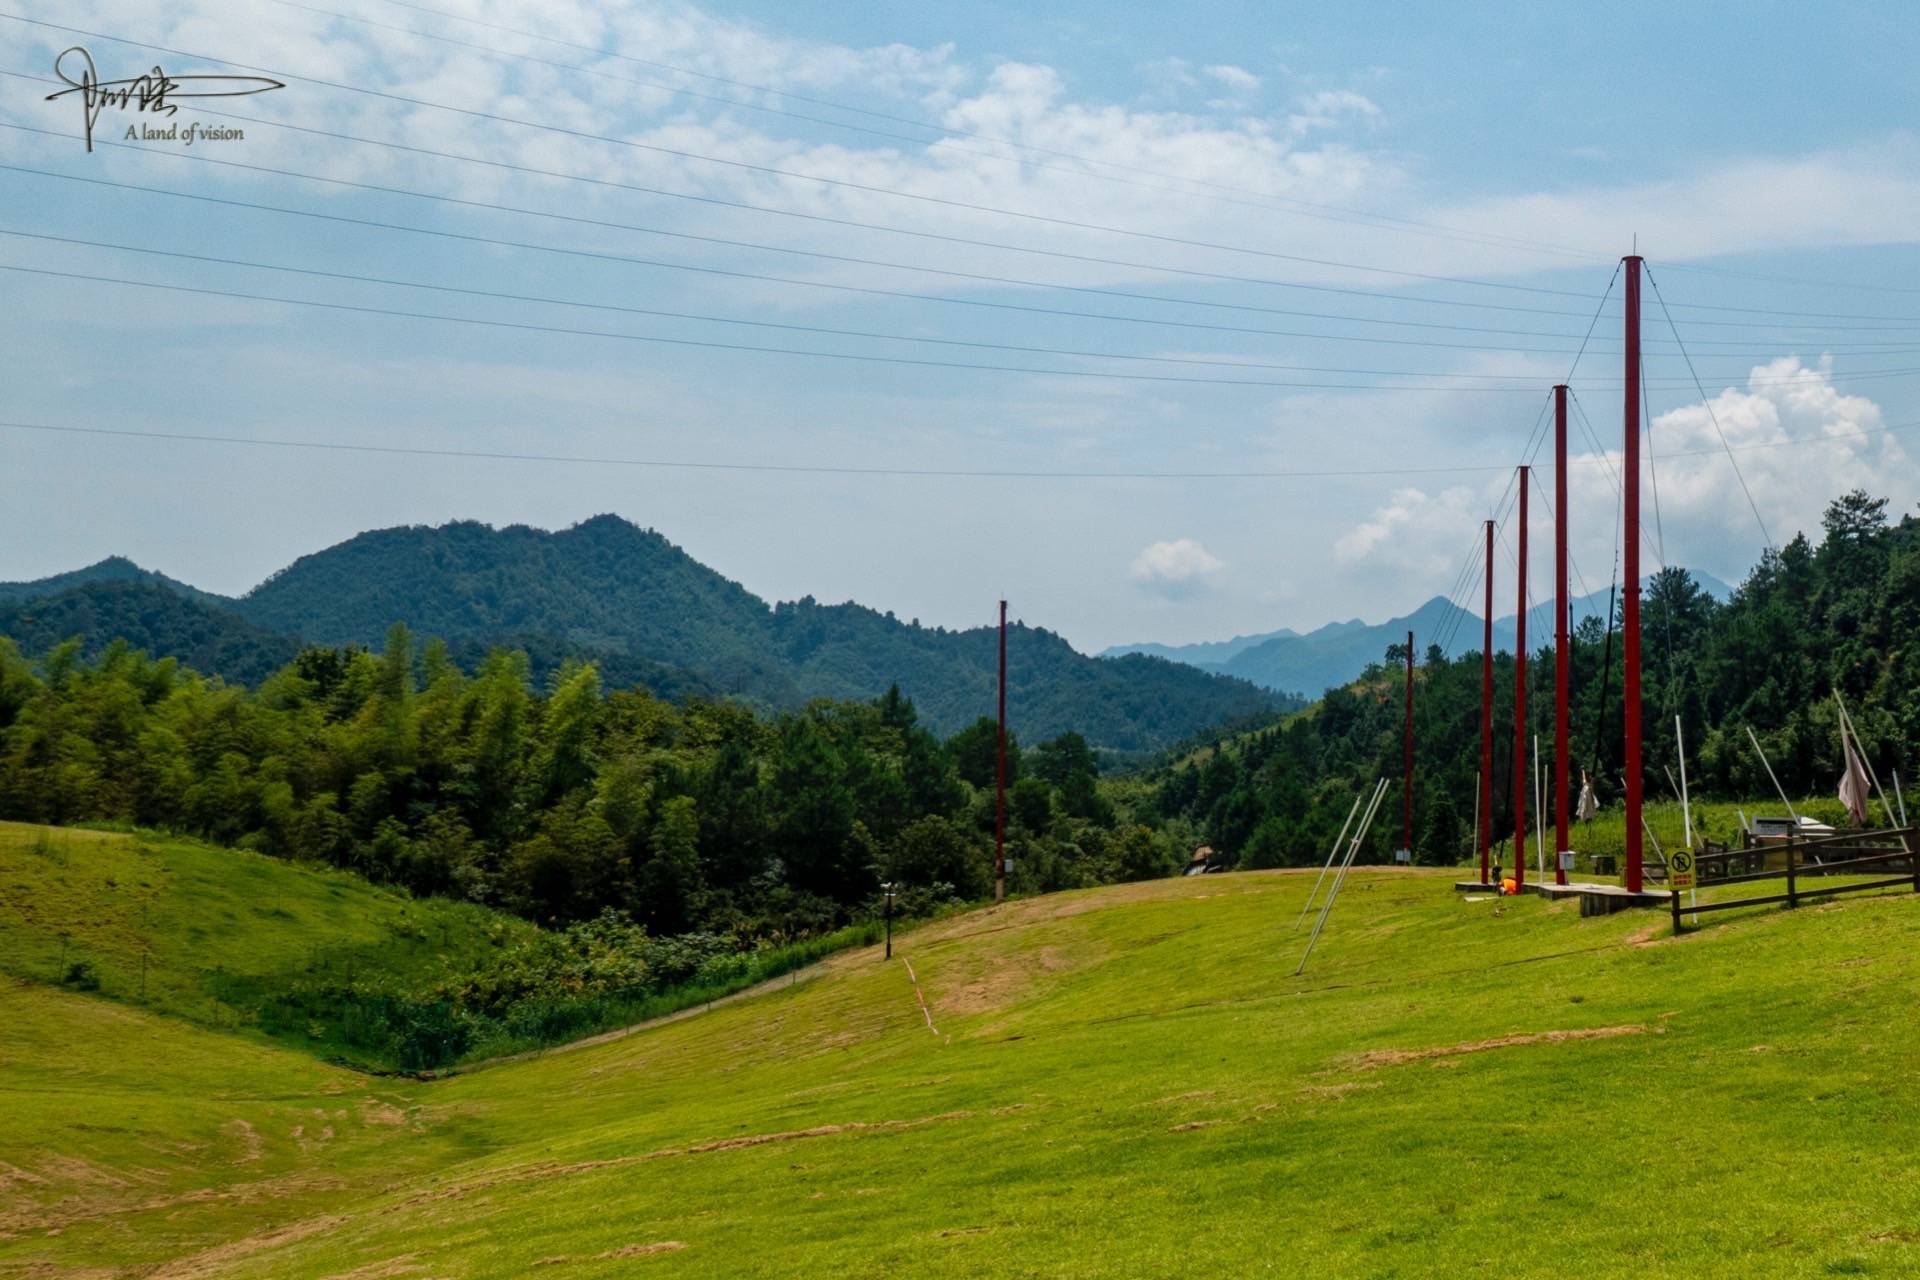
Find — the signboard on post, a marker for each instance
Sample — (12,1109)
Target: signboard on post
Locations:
(1680,870)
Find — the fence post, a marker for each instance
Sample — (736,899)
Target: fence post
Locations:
(1793,899)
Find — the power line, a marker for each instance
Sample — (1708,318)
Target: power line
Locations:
(1378,220)
(500,295)
(758,276)
(1085,163)
(918,268)
(741,347)
(774,171)
(1238,473)
(775,468)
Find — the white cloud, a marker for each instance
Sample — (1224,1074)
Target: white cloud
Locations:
(1798,441)
(1176,569)
(1238,79)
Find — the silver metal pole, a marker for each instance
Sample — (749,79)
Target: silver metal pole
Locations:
(1327,907)
(1896,795)
(1476,815)
(1539,819)
(1331,855)
(1686,808)
(1769,768)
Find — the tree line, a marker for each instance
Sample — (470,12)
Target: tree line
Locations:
(564,801)
(1810,619)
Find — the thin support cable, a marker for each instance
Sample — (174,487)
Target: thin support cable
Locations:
(1711,415)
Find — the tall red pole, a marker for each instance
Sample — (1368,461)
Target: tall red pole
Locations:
(1486,717)
(1630,570)
(1406,792)
(1000,786)
(1560,637)
(1520,703)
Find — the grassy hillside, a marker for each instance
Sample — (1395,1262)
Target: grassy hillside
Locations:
(1126,1081)
(212,929)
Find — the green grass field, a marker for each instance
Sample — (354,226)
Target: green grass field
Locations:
(194,931)
(1117,1082)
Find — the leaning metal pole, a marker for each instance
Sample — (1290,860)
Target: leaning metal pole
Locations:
(1331,855)
(1327,907)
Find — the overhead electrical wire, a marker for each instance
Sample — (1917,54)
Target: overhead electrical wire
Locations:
(775,171)
(726,272)
(862,358)
(1084,169)
(1369,218)
(657,313)
(1237,473)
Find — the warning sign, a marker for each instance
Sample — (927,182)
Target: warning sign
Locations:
(1680,869)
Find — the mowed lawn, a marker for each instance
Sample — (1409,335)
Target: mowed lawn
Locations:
(1119,1082)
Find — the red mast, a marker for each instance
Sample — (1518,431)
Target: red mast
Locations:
(1520,703)
(1406,792)
(1560,637)
(1000,786)
(1630,570)
(1486,716)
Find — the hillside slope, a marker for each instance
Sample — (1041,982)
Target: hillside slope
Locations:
(1118,1082)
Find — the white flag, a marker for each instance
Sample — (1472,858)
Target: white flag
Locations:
(1853,787)
(1587,806)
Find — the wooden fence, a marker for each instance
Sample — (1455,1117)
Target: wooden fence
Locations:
(1854,853)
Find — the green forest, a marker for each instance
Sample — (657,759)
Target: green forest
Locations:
(557,803)
(1809,620)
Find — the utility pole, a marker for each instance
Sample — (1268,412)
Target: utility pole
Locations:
(1486,714)
(1561,641)
(1000,784)
(1630,570)
(1406,799)
(1520,702)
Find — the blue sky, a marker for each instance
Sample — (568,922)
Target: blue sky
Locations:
(1234,194)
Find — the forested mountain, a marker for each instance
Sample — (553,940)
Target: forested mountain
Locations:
(646,613)
(1809,620)
(148,613)
(112,569)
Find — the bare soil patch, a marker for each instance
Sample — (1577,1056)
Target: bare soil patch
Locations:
(1395,1057)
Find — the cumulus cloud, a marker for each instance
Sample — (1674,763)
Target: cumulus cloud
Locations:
(1797,441)
(1177,568)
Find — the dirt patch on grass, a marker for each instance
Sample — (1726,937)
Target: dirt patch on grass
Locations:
(546,1172)
(1396,1057)
(404,1265)
(615,1255)
(1004,979)
(1183,1097)
(1334,1092)
(212,1261)
(1190,1125)
(243,1136)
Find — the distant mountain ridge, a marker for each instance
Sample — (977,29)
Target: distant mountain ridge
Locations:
(1305,664)
(644,610)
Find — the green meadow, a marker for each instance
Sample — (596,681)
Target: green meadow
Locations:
(1127,1081)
